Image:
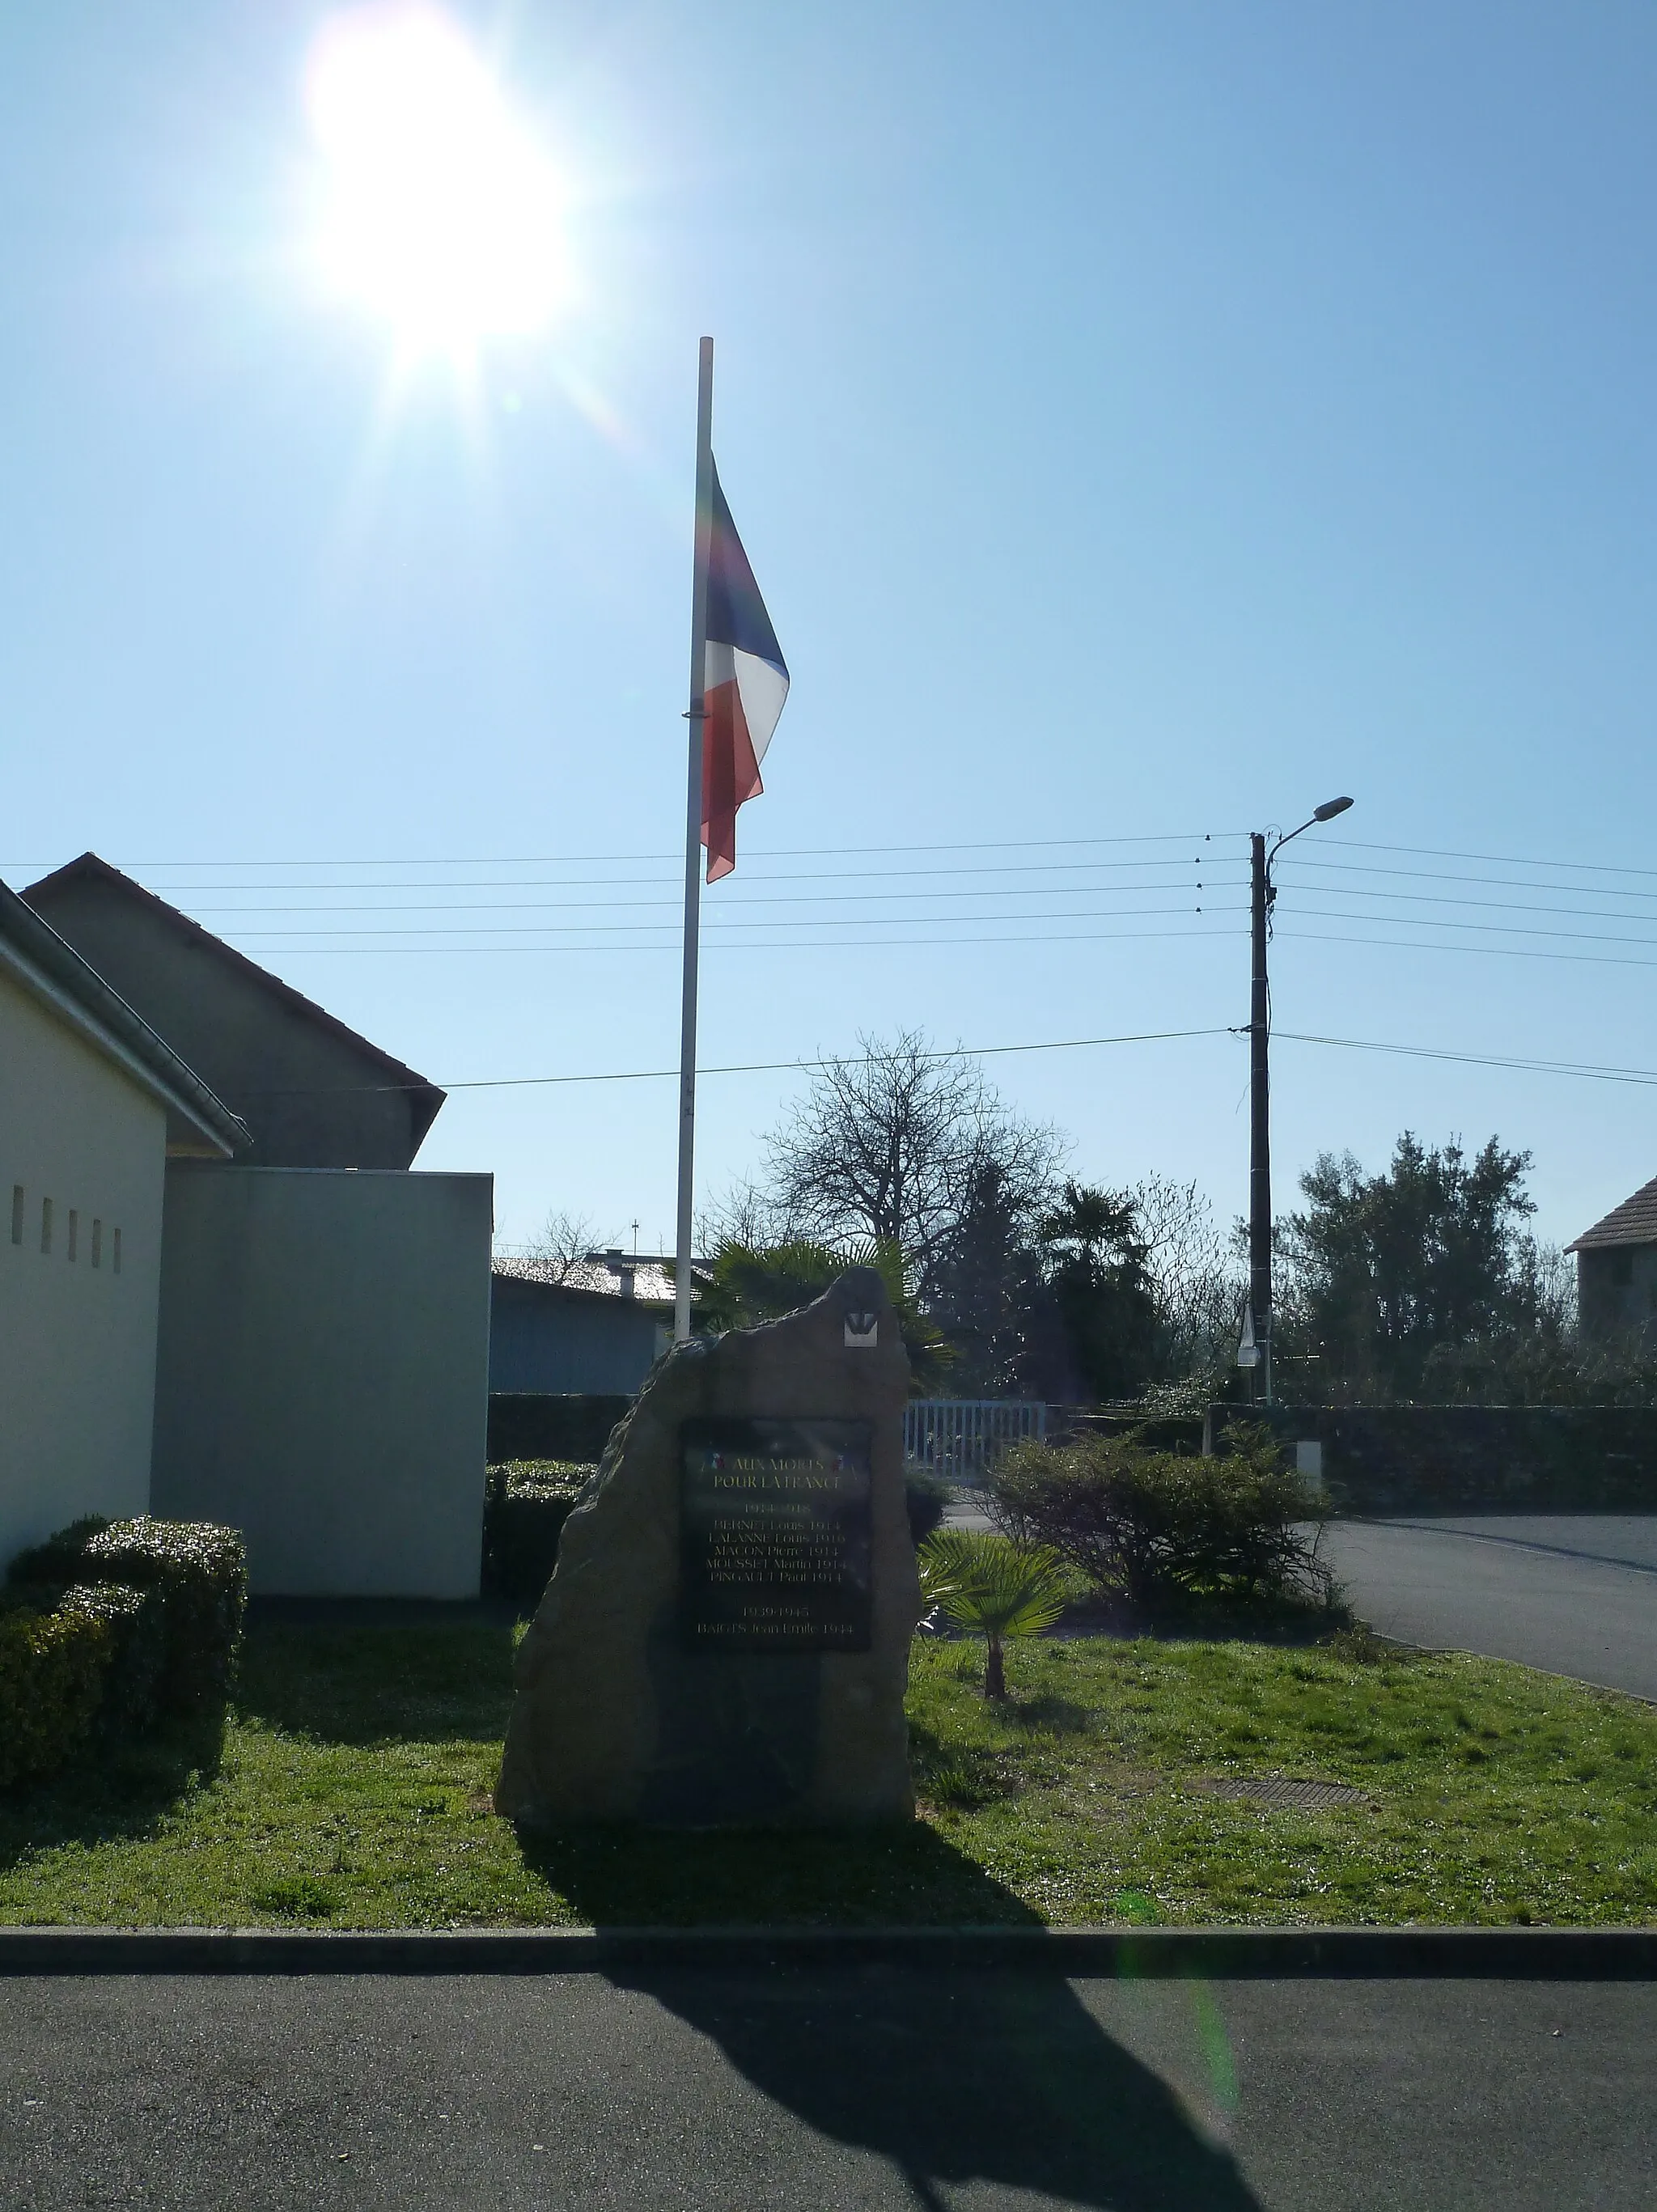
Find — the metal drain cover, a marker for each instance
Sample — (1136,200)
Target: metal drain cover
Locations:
(1278,1789)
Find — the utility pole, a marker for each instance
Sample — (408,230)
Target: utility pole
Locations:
(1255,1351)
(1259,1129)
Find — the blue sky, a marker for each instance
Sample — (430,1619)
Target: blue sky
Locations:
(1144,421)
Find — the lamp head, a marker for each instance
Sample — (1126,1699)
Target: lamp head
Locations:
(1330,808)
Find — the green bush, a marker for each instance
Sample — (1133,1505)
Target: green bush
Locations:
(525,1505)
(51,1566)
(52,1668)
(200,1571)
(927,1497)
(136,1619)
(1152,1524)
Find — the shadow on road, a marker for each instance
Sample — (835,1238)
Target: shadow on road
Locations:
(981,2076)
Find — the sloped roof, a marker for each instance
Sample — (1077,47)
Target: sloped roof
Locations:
(653,1286)
(40,956)
(425,1098)
(1633,1222)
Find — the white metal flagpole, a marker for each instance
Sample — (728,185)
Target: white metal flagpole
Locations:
(693,841)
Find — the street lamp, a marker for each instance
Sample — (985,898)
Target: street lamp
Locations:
(1255,1350)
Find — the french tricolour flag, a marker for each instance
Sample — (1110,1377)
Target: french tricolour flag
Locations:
(745,682)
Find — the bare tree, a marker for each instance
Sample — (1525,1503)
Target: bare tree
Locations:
(564,1242)
(745,1214)
(1192,1273)
(894,1144)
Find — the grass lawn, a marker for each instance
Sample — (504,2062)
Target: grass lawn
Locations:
(350,1788)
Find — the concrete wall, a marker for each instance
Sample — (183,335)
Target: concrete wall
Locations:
(547,1337)
(323,1376)
(77,1340)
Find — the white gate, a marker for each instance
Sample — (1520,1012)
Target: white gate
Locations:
(959,1438)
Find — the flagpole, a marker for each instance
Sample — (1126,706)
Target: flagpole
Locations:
(693,838)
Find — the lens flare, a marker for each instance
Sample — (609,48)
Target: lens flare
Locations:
(440,212)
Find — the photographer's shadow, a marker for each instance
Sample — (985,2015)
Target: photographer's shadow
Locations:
(976,2075)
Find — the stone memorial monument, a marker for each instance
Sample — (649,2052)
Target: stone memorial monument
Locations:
(726,1637)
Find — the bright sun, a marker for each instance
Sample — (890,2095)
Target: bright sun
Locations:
(440,212)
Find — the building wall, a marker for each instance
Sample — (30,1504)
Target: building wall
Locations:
(545,1337)
(1616,1289)
(310,1096)
(77,1341)
(323,1376)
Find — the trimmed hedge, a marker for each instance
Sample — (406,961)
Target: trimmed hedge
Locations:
(200,1571)
(525,1505)
(52,1669)
(56,1563)
(136,1620)
(547,1424)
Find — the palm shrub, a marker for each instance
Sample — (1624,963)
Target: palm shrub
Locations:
(1154,1523)
(747,1283)
(994,1587)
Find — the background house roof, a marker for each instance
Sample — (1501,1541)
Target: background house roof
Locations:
(602,1276)
(313,1092)
(1633,1222)
(193,1112)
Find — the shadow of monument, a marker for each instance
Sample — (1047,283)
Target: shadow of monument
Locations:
(894,1874)
(952,2076)
(986,2075)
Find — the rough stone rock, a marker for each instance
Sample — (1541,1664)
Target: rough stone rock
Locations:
(615,1719)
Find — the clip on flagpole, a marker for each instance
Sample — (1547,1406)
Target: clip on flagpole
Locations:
(693,850)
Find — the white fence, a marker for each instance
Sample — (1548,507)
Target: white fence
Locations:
(958,1437)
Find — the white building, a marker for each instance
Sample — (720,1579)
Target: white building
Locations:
(92,1104)
(319,1374)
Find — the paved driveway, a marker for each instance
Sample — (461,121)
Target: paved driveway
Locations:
(1575,1594)
(862,2090)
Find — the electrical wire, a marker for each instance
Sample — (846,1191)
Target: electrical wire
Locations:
(774,852)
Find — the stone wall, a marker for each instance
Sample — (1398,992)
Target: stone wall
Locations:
(1473,1459)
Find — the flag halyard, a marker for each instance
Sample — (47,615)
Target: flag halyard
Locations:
(744,684)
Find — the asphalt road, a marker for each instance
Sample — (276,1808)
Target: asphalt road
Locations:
(855,2088)
(1575,1594)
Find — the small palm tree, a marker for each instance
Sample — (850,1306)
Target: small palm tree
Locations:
(992,1586)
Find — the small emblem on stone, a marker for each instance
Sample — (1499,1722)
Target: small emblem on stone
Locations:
(862,1328)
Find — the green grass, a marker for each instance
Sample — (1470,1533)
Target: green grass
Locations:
(350,1788)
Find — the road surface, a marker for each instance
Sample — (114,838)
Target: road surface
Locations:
(862,2089)
(1573,1593)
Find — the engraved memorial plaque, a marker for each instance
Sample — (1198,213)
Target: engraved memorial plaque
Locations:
(775,1530)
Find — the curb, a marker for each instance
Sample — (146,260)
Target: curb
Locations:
(1587,1954)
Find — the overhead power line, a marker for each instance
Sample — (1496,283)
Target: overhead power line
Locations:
(1495,859)
(562,860)
(749,1067)
(1587,1070)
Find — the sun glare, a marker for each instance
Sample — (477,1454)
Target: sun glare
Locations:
(440,212)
